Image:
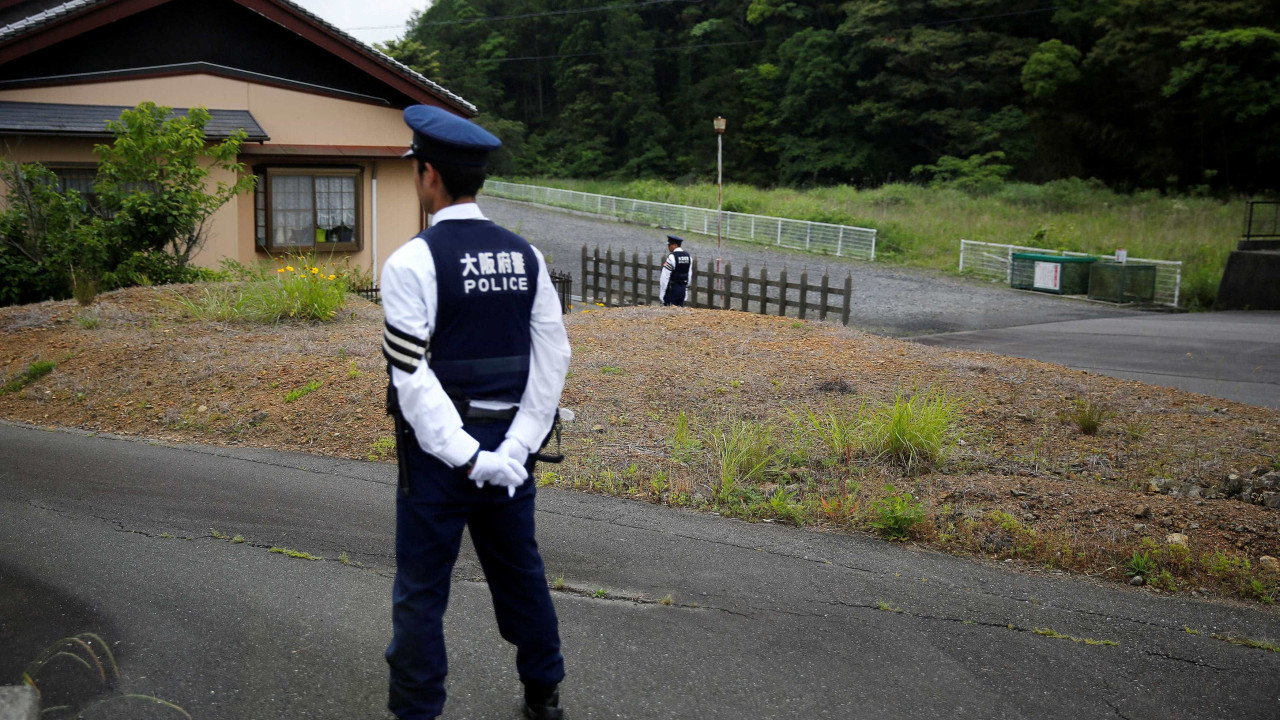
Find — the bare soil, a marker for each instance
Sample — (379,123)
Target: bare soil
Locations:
(1024,485)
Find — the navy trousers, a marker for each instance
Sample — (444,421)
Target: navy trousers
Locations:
(430,518)
(675,295)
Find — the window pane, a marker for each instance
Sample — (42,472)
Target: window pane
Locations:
(292,211)
(81,180)
(336,206)
(260,210)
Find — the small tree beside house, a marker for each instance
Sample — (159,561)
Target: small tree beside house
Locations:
(146,217)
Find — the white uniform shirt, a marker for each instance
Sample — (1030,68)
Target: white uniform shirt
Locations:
(409,303)
(667,266)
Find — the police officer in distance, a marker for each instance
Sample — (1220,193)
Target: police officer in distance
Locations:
(477,353)
(677,273)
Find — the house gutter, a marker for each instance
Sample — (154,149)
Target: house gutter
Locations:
(374,273)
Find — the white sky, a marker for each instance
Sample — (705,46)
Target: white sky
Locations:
(368,20)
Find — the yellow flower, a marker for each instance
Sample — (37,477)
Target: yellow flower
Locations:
(289,268)
(314,271)
(279,269)
(333,277)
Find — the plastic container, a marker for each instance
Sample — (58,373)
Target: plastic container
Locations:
(1122,282)
(1051,273)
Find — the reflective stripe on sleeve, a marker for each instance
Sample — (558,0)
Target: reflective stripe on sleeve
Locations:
(401,349)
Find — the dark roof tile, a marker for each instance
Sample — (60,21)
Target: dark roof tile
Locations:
(24,118)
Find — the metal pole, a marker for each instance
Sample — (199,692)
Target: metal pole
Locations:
(719,203)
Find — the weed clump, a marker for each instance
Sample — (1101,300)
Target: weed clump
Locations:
(897,513)
(916,431)
(1088,416)
(34,372)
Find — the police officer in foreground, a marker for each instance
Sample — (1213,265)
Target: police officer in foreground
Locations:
(677,273)
(477,353)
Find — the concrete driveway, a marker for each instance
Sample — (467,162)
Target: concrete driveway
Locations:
(1231,355)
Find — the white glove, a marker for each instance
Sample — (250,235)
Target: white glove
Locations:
(515,450)
(498,469)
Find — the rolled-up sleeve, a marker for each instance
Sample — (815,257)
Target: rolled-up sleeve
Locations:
(409,306)
(548,365)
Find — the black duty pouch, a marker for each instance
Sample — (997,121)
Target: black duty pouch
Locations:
(558,457)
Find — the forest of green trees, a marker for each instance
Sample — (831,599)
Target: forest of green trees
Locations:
(1168,94)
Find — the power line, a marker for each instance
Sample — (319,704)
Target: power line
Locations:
(985,17)
(525,16)
(622,52)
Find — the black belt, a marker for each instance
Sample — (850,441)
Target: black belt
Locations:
(467,411)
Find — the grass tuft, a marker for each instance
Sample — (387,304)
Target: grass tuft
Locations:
(1086,415)
(745,452)
(684,444)
(916,432)
(301,392)
(1248,642)
(34,372)
(295,554)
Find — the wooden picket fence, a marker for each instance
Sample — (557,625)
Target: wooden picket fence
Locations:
(617,281)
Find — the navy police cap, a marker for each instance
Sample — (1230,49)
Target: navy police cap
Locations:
(673,240)
(440,136)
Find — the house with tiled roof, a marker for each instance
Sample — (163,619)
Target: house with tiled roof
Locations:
(322,111)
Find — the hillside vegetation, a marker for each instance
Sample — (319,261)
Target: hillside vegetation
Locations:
(1162,94)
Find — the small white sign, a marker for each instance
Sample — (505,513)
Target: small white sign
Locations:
(1122,255)
(1048,276)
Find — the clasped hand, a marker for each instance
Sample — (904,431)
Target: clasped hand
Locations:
(503,467)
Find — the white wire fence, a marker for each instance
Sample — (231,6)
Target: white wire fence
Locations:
(994,261)
(825,238)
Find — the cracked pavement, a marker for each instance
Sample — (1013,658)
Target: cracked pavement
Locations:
(117,536)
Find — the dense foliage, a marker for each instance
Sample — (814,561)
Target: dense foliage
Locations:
(1138,93)
(141,224)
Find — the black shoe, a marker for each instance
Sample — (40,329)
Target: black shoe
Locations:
(542,703)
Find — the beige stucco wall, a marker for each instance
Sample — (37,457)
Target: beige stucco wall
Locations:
(289,117)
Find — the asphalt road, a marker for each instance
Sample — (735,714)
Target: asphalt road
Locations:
(1232,355)
(767,621)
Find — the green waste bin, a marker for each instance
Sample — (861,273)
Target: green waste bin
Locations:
(1122,282)
(1051,273)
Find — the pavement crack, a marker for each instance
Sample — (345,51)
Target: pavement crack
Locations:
(1116,709)
(615,522)
(1189,661)
(603,595)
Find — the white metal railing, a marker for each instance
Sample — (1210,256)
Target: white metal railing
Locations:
(994,261)
(816,237)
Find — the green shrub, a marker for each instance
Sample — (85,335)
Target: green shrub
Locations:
(150,205)
(1140,563)
(897,513)
(977,175)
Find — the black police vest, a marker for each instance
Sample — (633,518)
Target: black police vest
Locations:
(486,279)
(680,273)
